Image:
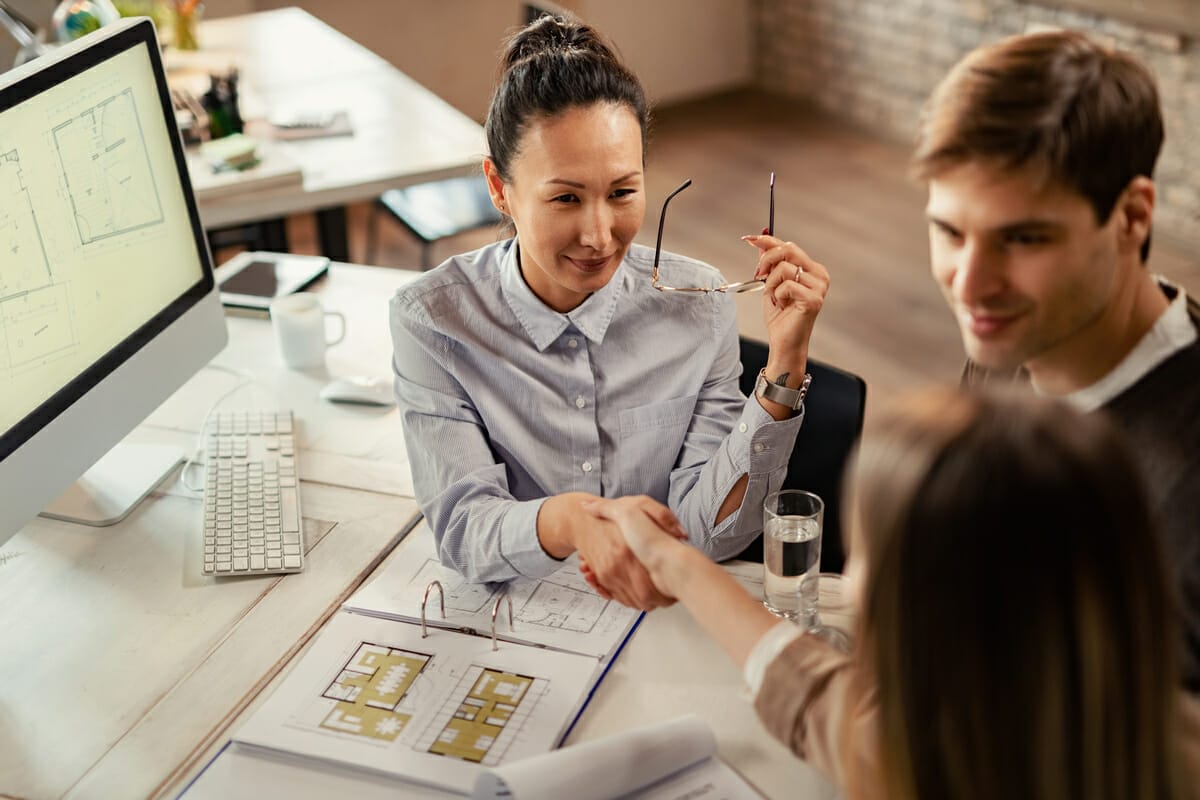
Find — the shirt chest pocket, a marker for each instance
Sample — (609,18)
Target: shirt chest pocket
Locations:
(651,437)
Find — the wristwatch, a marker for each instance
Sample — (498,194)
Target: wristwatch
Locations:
(778,393)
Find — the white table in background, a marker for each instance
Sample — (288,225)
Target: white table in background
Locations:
(291,62)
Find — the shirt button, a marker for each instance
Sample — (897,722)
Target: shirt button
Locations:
(580,402)
(572,343)
(759,447)
(742,427)
(587,466)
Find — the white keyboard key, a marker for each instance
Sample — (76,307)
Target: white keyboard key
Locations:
(289,501)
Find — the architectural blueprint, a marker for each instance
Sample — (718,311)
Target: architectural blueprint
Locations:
(90,209)
(374,694)
(102,152)
(560,611)
(35,319)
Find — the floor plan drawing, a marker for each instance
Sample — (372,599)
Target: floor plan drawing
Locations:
(554,605)
(476,724)
(461,594)
(20,240)
(35,313)
(434,706)
(107,174)
(560,610)
(36,327)
(369,691)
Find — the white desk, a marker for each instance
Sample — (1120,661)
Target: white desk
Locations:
(119,657)
(291,61)
(125,681)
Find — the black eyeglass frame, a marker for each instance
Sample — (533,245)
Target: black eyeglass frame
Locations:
(734,288)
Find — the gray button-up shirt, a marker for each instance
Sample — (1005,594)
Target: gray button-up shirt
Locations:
(506,402)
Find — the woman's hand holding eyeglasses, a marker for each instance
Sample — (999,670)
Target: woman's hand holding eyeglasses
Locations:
(796,286)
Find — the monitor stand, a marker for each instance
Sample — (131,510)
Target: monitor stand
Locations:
(115,484)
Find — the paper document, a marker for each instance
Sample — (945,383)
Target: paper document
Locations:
(560,611)
(275,169)
(669,761)
(373,694)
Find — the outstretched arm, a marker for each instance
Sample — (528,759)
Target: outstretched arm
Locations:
(723,608)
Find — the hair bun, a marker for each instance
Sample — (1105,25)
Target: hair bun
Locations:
(554,35)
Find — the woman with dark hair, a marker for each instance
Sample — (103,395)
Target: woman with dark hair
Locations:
(1015,637)
(542,370)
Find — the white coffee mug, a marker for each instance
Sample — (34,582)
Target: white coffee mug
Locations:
(300,329)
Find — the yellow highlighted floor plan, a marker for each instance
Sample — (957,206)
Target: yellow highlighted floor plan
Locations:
(369,690)
(482,715)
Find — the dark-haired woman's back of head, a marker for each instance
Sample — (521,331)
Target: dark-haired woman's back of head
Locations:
(1017,616)
(552,64)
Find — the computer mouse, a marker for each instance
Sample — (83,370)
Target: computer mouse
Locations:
(369,391)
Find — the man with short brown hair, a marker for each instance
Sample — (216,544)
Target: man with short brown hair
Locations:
(1039,152)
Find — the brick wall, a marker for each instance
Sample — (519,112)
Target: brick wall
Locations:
(875,62)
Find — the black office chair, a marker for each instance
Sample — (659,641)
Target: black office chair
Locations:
(434,210)
(833,420)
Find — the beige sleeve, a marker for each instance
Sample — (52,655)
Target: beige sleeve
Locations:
(811,702)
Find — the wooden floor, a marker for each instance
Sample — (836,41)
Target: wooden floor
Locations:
(840,193)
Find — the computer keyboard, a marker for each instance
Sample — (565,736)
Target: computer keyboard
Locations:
(252,523)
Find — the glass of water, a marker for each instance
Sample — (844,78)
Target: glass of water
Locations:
(792,523)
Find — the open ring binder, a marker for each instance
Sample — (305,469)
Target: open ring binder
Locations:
(442,600)
(496,610)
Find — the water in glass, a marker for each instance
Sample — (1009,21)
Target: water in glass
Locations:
(792,555)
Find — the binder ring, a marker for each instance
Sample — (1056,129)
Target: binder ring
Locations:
(442,600)
(496,610)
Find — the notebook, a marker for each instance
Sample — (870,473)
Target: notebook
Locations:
(437,704)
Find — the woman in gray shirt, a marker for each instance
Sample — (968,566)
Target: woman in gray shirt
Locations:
(542,370)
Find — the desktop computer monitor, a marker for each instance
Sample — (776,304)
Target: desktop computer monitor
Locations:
(107,298)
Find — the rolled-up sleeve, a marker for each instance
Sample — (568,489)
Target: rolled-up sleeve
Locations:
(717,452)
(482,531)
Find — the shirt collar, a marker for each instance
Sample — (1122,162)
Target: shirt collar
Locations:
(542,324)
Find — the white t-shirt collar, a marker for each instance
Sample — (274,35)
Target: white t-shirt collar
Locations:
(1171,333)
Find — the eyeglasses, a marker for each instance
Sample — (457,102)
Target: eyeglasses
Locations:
(740,286)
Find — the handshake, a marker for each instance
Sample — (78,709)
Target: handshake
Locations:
(635,551)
